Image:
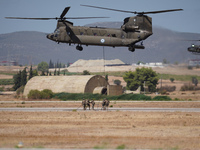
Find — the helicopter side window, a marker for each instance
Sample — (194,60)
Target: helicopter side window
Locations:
(114,35)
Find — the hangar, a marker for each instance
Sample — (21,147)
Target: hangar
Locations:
(68,84)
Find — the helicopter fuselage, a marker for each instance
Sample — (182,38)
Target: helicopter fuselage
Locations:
(194,49)
(128,35)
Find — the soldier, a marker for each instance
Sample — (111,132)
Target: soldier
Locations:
(107,103)
(103,104)
(93,103)
(84,104)
(88,103)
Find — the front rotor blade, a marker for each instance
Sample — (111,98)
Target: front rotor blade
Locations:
(31,18)
(64,12)
(83,17)
(110,9)
(54,18)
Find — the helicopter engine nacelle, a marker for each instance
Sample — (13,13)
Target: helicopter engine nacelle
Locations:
(130,27)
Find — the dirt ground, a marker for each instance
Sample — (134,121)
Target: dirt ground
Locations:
(101,130)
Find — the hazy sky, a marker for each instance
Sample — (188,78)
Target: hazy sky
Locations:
(183,21)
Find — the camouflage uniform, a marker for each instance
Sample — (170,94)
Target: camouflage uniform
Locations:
(105,104)
(88,103)
(84,104)
(93,103)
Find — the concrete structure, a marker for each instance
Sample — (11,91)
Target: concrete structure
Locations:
(68,84)
(100,90)
(194,63)
(114,90)
(138,91)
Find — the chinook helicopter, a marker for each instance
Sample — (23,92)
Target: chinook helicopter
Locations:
(195,49)
(134,30)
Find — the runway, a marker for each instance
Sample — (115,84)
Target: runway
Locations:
(109,109)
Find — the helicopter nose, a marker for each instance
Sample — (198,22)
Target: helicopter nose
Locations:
(48,36)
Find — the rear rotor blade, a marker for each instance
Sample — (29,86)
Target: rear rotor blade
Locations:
(110,9)
(134,12)
(161,11)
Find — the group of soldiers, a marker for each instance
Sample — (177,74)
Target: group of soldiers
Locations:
(86,103)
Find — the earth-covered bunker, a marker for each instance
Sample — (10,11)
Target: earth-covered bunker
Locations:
(68,84)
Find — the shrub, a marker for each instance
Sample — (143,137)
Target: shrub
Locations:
(129,97)
(44,94)
(194,81)
(1,88)
(20,90)
(162,98)
(85,72)
(34,94)
(121,146)
(189,87)
(163,91)
(117,82)
(167,88)
(171,79)
(76,96)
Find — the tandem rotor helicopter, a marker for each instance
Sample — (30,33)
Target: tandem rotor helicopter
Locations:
(134,30)
(194,49)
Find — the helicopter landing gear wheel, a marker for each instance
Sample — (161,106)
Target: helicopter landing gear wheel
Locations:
(78,47)
(132,49)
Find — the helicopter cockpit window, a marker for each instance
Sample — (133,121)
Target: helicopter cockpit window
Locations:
(126,20)
(56,32)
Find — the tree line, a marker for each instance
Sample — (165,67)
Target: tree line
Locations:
(20,79)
